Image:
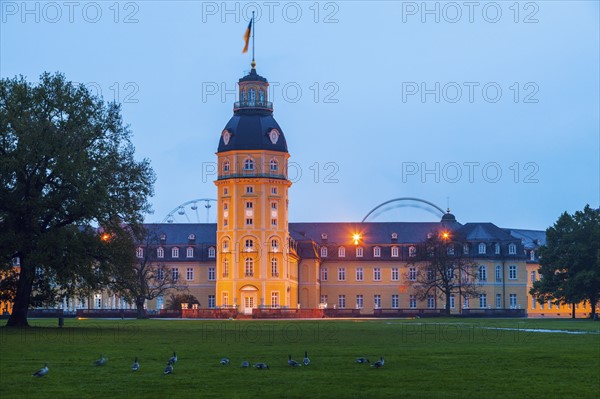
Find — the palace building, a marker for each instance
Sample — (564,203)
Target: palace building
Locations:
(253,260)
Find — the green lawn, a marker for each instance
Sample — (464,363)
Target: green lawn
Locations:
(424,358)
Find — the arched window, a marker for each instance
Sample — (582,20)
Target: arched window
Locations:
(211,252)
(273,166)
(225,245)
(160,252)
(359,252)
(341,252)
(274,245)
(226,166)
(512,249)
(377,252)
(175,252)
(139,252)
(261,97)
(482,248)
(394,252)
(482,273)
(249,245)
(412,251)
(323,252)
(252,96)
(249,164)
(249,272)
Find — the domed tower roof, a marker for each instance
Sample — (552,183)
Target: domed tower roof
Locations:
(252,126)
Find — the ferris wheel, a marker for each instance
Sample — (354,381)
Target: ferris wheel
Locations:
(190,211)
(404,202)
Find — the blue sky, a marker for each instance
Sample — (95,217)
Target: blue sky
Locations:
(492,107)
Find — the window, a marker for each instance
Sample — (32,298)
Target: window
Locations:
(342,274)
(249,221)
(249,205)
(395,274)
(412,274)
(512,249)
(225,267)
(533,302)
(189,274)
(225,191)
(274,206)
(450,273)
(212,275)
(160,274)
(394,252)
(211,301)
(323,274)
(482,301)
(377,301)
(323,252)
(273,222)
(412,303)
(450,250)
(377,252)
(359,302)
(512,299)
(226,166)
(512,272)
(139,252)
(498,273)
(225,299)
(273,166)
(497,248)
(249,164)
(211,252)
(532,255)
(430,301)
(481,248)
(274,299)
(466,302)
(482,273)
(189,252)
(225,245)
(412,251)
(249,190)
(160,252)
(498,301)
(341,301)
(249,267)
(359,252)
(466,249)
(175,252)
(359,274)
(451,301)
(533,276)
(175,273)
(249,245)
(274,271)
(395,301)
(377,274)
(341,252)
(274,190)
(430,274)
(324,299)
(225,222)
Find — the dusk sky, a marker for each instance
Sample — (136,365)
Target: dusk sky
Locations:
(492,107)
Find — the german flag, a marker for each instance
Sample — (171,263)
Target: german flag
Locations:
(247,36)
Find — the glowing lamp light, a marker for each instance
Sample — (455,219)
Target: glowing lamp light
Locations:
(105,237)
(356,238)
(445,235)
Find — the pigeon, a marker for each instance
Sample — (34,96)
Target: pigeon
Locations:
(245,363)
(41,372)
(101,362)
(362,360)
(169,368)
(224,361)
(261,366)
(378,363)
(136,365)
(306,360)
(293,363)
(173,359)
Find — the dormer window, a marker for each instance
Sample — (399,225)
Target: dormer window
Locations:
(175,252)
(139,252)
(359,252)
(377,252)
(532,255)
(341,252)
(466,249)
(394,236)
(497,248)
(248,164)
(160,252)
(192,237)
(323,236)
(512,249)
(412,251)
(482,248)
(189,252)
(323,252)
(395,252)
(163,237)
(211,252)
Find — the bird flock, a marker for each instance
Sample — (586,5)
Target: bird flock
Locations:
(170,368)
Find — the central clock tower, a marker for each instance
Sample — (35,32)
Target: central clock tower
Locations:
(255,266)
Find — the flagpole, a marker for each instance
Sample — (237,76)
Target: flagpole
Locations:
(253,29)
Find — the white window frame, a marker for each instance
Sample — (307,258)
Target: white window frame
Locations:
(175,252)
(160,252)
(512,249)
(377,252)
(323,252)
(359,301)
(482,248)
(212,252)
(412,302)
(189,252)
(395,252)
(512,272)
(412,274)
(342,301)
(212,273)
(395,274)
(359,252)
(324,274)
(395,301)
(341,252)
(189,274)
(412,251)
(175,274)
(360,275)
(483,301)
(377,301)
(376,274)
(341,274)
(139,252)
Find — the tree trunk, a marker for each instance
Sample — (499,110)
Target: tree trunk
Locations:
(447,302)
(593,314)
(18,317)
(572,310)
(139,304)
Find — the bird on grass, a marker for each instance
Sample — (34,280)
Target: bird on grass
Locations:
(378,363)
(224,361)
(245,364)
(101,361)
(41,372)
(292,362)
(261,366)
(362,360)
(173,359)
(306,360)
(169,368)
(136,365)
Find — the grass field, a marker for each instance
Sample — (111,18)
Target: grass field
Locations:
(424,358)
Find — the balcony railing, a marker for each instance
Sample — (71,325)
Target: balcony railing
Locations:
(253,105)
(251,173)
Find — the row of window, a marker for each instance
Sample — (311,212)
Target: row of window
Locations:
(412,273)
(160,252)
(250,190)
(250,247)
(412,250)
(250,165)
(274,300)
(412,301)
(189,273)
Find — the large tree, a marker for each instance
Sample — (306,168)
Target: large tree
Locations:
(147,277)
(66,165)
(443,270)
(570,260)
